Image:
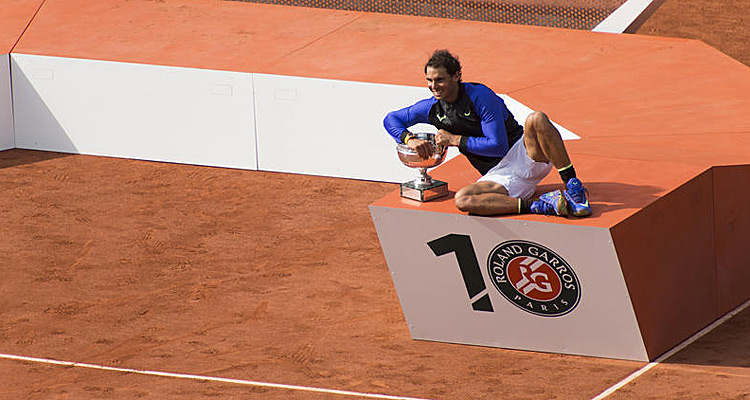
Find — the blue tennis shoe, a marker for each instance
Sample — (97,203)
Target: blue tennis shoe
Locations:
(578,198)
(552,203)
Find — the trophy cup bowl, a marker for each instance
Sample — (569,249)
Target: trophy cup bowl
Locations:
(411,158)
(423,188)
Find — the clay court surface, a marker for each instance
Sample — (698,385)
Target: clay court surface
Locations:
(257,276)
(273,278)
(721,24)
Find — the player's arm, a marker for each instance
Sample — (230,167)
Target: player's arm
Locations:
(397,122)
(492,112)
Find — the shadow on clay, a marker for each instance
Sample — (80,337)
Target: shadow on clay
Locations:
(727,345)
(18,157)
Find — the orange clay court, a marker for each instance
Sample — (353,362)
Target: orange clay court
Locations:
(135,279)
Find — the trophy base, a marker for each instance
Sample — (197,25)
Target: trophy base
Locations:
(432,191)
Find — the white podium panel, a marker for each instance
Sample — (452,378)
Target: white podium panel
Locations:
(6,105)
(331,128)
(138,111)
(509,283)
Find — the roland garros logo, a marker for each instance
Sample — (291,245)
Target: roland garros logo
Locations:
(534,278)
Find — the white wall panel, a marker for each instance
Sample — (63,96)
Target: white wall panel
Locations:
(6,107)
(327,127)
(437,306)
(205,117)
(138,111)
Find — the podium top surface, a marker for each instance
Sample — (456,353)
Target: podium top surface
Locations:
(652,113)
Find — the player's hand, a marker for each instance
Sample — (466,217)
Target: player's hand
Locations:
(422,147)
(445,138)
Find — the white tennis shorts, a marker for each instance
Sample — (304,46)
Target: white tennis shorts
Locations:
(518,173)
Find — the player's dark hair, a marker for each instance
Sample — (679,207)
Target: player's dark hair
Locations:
(443,58)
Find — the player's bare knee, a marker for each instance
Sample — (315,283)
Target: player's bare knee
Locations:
(464,202)
(464,191)
(538,120)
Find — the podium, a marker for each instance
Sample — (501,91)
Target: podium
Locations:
(626,284)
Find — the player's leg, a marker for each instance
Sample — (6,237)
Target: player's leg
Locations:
(543,141)
(508,187)
(486,198)
(544,144)
(491,198)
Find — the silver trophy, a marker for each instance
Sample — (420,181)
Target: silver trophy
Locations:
(423,188)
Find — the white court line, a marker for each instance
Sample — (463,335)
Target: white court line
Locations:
(207,378)
(623,16)
(672,352)
(602,395)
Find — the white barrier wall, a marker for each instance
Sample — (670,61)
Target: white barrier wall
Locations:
(328,127)
(217,118)
(6,105)
(509,283)
(149,112)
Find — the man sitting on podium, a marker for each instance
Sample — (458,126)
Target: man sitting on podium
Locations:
(512,159)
